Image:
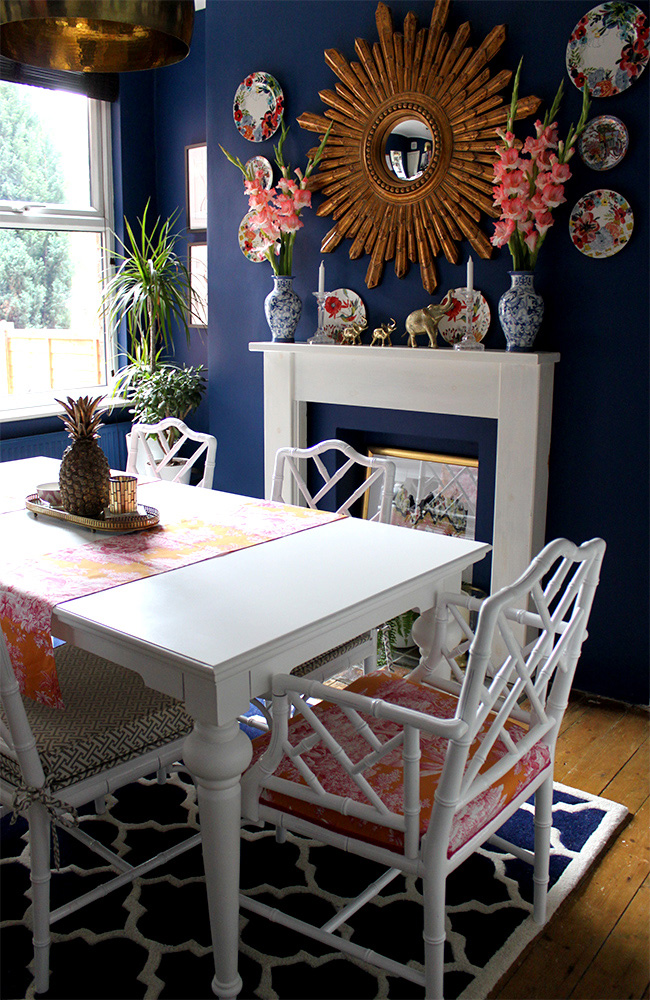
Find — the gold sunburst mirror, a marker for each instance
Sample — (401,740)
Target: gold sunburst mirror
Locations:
(423,90)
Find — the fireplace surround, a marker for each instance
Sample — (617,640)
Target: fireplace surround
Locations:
(515,389)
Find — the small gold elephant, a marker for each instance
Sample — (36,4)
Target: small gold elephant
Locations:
(352,333)
(381,335)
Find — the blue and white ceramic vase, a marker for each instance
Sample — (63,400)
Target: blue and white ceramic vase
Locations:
(282,309)
(520,311)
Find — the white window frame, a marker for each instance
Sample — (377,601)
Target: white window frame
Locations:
(99,218)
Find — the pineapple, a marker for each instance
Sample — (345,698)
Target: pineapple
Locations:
(84,472)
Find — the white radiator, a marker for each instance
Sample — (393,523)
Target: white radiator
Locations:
(111,438)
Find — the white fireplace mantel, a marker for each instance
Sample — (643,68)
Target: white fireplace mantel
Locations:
(515,389)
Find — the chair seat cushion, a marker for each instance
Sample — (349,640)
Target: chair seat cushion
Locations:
(109,717)
(386,776)
(332,654)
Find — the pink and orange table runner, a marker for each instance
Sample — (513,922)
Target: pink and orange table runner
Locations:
(81,563)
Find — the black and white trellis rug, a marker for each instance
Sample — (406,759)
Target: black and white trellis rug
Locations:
(151,939)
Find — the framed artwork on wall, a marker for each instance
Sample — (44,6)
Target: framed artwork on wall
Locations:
(196,184)
(198,268)
(432,492)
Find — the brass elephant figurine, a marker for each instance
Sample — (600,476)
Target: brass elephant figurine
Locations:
(352,335)
(426,321)
(381,335)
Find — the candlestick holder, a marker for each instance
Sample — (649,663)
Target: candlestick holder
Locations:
(469,341)
(321,337)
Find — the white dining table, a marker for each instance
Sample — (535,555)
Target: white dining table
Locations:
(215,632)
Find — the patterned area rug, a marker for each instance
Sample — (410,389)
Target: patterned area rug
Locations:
(151,939)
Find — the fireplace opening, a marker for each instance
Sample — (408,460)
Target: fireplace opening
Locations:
(445,467)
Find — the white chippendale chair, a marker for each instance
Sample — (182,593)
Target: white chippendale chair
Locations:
(140,450)
(112,731)
(419,773)
(292,470)
(291,466)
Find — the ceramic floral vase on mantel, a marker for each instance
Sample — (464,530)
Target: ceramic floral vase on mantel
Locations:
(282,308)
(520,311)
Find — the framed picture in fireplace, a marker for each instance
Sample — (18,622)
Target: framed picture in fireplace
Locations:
(432,492)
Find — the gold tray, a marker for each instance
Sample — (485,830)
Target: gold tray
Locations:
(120,522)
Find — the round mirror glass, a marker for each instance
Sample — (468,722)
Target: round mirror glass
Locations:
(408,150)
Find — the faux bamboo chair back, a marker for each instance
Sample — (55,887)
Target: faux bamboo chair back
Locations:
(140,444)
(112,732)
(289,468)
(417,773)
(380,476)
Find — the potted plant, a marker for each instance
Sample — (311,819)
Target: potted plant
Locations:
(169,391)
(150,290)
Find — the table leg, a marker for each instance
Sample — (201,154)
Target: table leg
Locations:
(216,756)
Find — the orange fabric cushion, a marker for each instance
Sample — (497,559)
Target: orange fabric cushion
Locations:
(386,776)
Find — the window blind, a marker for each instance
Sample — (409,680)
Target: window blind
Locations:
(100,86)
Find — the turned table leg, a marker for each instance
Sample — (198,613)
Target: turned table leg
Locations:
(216,756)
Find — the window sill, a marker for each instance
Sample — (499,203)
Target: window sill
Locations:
(48,407)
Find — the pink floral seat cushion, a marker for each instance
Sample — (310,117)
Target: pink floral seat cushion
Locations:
(386,776)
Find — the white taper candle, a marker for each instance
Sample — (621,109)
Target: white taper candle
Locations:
(321,278)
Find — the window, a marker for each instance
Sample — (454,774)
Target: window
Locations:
(56,214)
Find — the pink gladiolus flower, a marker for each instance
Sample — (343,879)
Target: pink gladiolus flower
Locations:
(560,172)
(503,230)
(499,171)
(534,147)
(508,138)
(284,205)
(553,195)
(531,240)
(302,199)
(543,221)
(515,183)
(291,223)
(537,203)
(514,208)
(550,134)
(287,186)
(509,156)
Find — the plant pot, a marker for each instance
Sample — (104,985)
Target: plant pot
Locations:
(282,309)
(520,311)
(168,473)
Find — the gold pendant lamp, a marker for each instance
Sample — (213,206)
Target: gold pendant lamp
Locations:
(96,36)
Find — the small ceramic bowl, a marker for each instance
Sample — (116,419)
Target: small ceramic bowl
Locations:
(49,493)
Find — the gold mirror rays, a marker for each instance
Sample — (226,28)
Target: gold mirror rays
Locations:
(420,76)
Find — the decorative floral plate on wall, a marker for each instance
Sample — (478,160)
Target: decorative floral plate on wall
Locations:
(252,242)
(342,308)
(258,107)
(601,223)
(453,325)
(603,143)
(608,48)
(260,165)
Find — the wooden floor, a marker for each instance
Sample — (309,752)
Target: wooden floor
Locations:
(596,946)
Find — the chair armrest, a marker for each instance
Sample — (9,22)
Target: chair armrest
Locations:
(451,729)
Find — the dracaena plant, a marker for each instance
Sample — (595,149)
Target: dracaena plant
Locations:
(151,290)
(529,180)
